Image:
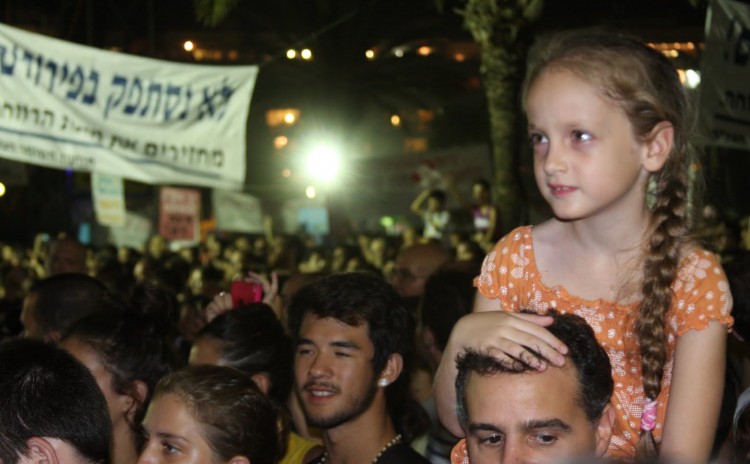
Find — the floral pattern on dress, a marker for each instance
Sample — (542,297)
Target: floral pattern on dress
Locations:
(700,295)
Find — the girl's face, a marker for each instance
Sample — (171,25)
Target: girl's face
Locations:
(587,160)
(172,435)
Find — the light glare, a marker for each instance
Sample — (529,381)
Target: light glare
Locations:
(323,163)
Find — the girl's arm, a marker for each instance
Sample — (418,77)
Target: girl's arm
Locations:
(695,395)
(502,333)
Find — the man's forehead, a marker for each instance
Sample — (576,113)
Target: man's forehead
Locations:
(331,325)
(551,393)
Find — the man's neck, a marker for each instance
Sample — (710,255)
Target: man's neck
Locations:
(360,440)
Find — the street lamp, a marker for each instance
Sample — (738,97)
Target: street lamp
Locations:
(323,162)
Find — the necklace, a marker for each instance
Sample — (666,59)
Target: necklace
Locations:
(395,440)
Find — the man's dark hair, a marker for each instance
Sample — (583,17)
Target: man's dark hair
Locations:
(358,298)
(589,358)
(46,392)
(253,341)
(448,295)
(63,299)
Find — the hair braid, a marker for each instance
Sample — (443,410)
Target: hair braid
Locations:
(670,227)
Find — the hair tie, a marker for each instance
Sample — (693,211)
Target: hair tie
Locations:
(648,416)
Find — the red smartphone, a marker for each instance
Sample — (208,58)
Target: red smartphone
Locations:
(244,292)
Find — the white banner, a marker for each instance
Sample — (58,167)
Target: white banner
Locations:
(725,75)
(70,106)
(237,212)
(134,233)
(108,195)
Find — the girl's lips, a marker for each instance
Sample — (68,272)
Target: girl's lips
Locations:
(561,190)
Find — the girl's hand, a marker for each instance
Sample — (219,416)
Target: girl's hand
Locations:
(218,306)
(510,338)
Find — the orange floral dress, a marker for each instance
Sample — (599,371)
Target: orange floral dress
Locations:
(701,294)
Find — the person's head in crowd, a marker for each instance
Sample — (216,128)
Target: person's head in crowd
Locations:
(414,265)
(480,191)
(55,302)
(51,410)
(314,260)
(249,338)
(157,247)
(740,438)
(66,255)
(341,255)
(436,200)
(448,295)
(511,412)
(738,275)
(207,280)
(354,340)
(128,349)
(469,255)
(210,414)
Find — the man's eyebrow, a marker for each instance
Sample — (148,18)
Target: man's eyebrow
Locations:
(481,426)
(336,343)
(345,344)
(553,423)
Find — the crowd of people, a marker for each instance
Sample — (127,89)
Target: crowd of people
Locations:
(599,334)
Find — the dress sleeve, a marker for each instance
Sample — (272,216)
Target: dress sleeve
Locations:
(701,294)
(498,268)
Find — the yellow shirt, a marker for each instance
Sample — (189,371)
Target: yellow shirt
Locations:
(297,449)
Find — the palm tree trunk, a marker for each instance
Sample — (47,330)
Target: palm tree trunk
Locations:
(502,30)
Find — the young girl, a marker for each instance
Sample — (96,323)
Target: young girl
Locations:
(608,121)
(210,414)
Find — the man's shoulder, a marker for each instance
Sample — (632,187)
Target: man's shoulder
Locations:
(402,453)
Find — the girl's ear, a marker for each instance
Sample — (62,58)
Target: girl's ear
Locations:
(391,371)
(658,146)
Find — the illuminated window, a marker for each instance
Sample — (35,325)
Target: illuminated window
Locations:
(285,116)
(415,145)
(280,142)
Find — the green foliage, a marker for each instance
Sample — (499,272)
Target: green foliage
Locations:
(212,12)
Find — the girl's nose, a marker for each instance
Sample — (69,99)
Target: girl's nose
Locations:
(554,160)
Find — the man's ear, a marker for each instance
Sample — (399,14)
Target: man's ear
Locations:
(658,146)
(133,399)
(40,452)
(604,429)
(391,371)
(262,381)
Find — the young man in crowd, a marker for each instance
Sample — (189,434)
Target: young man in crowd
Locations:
(354,339)
(511,412)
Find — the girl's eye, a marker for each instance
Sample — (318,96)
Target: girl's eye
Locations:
(303,351)
(341,354)
(169,448)
(581,136)
(537,139)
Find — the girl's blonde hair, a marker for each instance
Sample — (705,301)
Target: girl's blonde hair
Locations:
(645,84)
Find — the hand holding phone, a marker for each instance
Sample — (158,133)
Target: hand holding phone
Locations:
(244,292)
